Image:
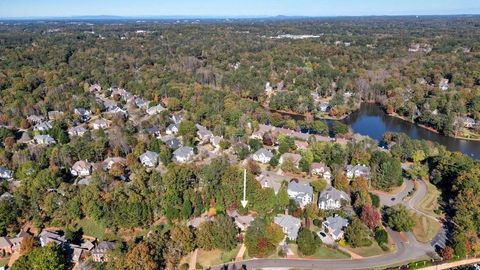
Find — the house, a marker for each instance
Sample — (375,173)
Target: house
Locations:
(272,180)
(155,110)
(11,245)
(415,47)
(324,107)
(197,221)
(141,103)
(183,154)
(95,88)
(334,226)
(321,170)
(262,155)
(35,119)
(115,110)
(294,158)
(44,139)
(108,104)
(82,113)
(268,88)
(43,126)
(357,171)
(300,193)
(6,173)
(332,198)
(55,115)
(108,162)
(215,141)
(468,122)
(155,131)
(149,159)
(81,168)
(46,237)
(100,124)
(99,253)
(76,131)
(443,85)
(6,196)
(176,118)
(242,222)
(262,129)
(173,143)
(172,129)
(203,134)
(290,225)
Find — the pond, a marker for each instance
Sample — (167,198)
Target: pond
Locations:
(370,120)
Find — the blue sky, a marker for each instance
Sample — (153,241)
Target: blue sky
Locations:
(42,8)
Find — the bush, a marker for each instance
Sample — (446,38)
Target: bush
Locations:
(317,222)
(381,236)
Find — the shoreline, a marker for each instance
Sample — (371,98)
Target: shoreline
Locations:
(395,115)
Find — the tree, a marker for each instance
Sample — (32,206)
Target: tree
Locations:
(387,171)
(320,127)
(339,128)
(447,253)
(381,236)
(28,244)
(370,216)
(261,239)
(318,185)
(141,257)
(220,233)
(399,219)
(182,237)
(307,243)
(341,182)
(8,215)
(357,234)
(49,257)
(187,130)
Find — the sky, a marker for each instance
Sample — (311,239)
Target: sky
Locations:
(233,8)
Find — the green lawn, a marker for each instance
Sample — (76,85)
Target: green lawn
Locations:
(208,258)
(425,228)
(92,228)
(430,202)
(323,252)
(370,251)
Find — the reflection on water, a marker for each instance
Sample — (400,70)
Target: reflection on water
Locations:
(370,120)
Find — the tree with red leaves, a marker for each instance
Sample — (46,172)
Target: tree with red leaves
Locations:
(370,216)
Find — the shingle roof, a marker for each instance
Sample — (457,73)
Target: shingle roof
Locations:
(292,224)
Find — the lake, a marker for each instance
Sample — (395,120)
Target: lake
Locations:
(371,120)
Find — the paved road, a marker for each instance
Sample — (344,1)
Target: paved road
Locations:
(392,199)
(408,251)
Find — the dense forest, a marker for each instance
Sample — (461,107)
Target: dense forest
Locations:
(215,73)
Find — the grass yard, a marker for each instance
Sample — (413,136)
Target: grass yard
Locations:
(323,252)
(430,202)
(208,258)
(425,228)
(92,228)
(373,250)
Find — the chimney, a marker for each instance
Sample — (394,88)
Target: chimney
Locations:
(286,211)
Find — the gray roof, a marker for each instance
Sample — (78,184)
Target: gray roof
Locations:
(358,169)
(5,173)
(103,247)
(183,151)
(300,188)
(264,152)
(336,224)
(334,194)
(149,155)
(290,223)
(44,139)
(173,143)
(203,131)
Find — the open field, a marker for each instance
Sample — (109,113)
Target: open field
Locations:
(207,258)
(430,202)
(92,228)
(425,228)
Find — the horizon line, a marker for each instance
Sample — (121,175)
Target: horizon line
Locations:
(225,16)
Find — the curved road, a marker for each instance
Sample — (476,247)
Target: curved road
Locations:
(407,251)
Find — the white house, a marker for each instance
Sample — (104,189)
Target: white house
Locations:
(262,155)
(443,85)
(357,171)
(300,193)
(142,103)
(44,139)
(149,159)
(334,226)
(183,154)
(321,170)
(76,131)
(332,198)
(108,162)
(172,129)
(43,126)
(100,124)
(155,109)
(83,113)
(323,107)
(6,173)
(468,122)
(290,225)
(36,119)
(81,168)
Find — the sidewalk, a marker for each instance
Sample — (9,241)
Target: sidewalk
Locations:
(240,253)
(192,265)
